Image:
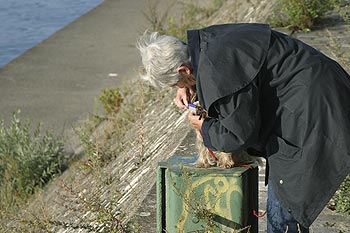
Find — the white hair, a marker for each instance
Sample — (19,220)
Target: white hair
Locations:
(161,57)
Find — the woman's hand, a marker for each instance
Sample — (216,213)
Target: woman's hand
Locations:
(194,121)
(182,98)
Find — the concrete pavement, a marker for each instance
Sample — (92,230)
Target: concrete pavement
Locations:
(57,81)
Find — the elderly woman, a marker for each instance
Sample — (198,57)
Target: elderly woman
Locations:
(267,92)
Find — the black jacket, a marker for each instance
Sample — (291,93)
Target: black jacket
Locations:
(268,91)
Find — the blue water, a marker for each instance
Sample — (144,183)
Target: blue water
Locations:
(25,23)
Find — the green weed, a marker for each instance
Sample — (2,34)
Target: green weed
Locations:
(300,14)
(342,197)
(27,162)
(111,99)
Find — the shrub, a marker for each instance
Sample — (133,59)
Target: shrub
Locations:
(342,197)
(111,100)
(300,14)
(102,137)
(27,161)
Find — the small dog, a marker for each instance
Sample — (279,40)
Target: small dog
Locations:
(207,158)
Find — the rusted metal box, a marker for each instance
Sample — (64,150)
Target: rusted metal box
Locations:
(191,199)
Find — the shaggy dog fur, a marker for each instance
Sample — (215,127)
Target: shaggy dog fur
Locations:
(224,160)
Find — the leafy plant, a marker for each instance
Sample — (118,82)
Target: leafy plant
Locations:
(27,161)
(342,197)
(111,100)
(336,49)
(343,9)
(300,14)
(102,140)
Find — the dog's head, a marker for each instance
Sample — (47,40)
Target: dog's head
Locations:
(196,109)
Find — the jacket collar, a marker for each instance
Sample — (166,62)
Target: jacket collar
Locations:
(193,46)
(226,58)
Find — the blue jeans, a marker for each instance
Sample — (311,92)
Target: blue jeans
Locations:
(278,218)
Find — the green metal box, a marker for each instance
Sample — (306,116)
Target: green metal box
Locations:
(191,199)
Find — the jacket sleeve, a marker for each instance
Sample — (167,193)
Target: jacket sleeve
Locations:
(237,124)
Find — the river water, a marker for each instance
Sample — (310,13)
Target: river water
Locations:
(25,23)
